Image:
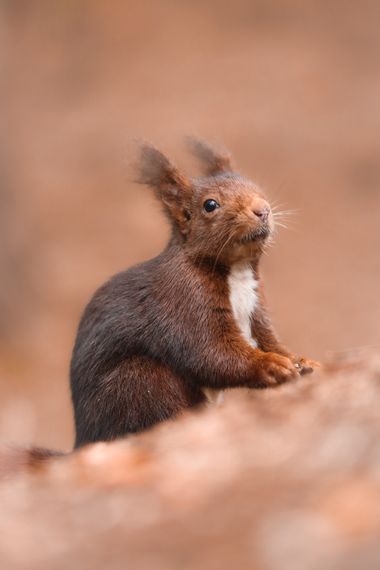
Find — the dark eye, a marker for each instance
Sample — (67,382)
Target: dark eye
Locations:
(210,205)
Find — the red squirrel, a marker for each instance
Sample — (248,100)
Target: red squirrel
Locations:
(154,338)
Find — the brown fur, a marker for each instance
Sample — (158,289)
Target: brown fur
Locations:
(155,336)
(213,161)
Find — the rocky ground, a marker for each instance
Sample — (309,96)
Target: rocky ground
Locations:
(285,479)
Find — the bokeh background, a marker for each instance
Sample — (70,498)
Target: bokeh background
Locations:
(292,88)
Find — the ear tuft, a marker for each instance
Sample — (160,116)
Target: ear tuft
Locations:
(215,160)
(157,171)
(170,186)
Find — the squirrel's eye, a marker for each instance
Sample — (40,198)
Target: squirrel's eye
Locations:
(210,205)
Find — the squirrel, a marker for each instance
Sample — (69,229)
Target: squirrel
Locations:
(157,338)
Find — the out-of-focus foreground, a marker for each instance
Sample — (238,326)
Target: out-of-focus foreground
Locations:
(279,479)
(292,88)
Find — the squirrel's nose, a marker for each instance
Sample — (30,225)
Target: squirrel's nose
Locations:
(262,213)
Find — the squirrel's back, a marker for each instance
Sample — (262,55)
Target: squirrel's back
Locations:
(127,313)
(134,323)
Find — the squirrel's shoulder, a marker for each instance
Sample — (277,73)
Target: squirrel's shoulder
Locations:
(170,265)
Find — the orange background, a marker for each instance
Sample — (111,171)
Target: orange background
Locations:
(291,88)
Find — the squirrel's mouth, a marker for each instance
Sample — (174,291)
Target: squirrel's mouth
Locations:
(254,235)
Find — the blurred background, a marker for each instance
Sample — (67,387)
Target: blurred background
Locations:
(292,88)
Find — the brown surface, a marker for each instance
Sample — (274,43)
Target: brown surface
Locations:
(279,479)
(292,89)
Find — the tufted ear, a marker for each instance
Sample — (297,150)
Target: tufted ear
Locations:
(215,160)
(171,187)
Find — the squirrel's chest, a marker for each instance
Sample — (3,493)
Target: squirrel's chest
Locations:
(242,287)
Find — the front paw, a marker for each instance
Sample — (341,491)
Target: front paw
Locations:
(276,369)
(305,365)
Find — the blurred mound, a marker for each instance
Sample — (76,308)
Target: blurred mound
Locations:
(286,478)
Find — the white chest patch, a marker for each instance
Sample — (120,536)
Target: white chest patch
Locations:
(243,298)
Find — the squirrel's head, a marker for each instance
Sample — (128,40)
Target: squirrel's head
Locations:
(222,215)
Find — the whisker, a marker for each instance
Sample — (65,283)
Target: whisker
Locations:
(285,212)
(221,249)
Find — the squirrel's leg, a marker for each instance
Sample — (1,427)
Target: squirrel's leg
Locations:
(263,331)
(136,394)
(230,362)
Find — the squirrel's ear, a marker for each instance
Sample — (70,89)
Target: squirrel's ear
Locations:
(171,187)
(214,160)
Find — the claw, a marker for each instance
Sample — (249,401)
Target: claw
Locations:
(306,366)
